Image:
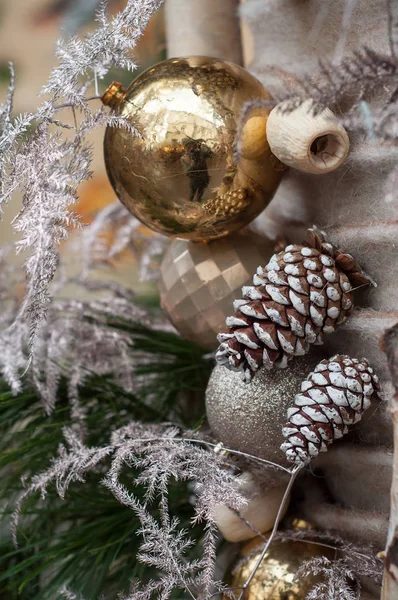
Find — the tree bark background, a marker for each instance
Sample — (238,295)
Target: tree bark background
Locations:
(208,27)
(290,36)
(390,582)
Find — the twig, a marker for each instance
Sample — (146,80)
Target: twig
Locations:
(294,472)
(70,105)
(392,10)
(96,82)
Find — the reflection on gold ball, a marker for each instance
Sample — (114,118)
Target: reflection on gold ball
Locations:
(178,175)
(275,578)
(199,282)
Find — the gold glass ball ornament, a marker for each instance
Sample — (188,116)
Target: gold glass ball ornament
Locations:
(199,282)
(177,174)
(275,579)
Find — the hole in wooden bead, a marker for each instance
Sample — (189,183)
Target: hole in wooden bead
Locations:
(328,151)
(319,144)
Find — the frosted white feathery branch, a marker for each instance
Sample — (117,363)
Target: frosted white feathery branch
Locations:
(125,230)
(161,457)
(47,160)
(68,594)
(76,341)
(108,46)
(336,577)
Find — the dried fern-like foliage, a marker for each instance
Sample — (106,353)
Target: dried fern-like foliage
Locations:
(141,466)
(356,76)
(47,159)
(341,576)
(126,233)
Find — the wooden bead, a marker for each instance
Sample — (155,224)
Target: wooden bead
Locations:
(307,142)
(260,511)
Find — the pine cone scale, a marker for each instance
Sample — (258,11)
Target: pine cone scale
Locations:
(296,322)
(247,337)
(276,313)
(300,303)
(266,333)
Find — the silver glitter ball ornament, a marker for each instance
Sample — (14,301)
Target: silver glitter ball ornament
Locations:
(249,416)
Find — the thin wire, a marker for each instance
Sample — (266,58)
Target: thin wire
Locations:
(362,285)
(74,117)
(290,471)
(245,454)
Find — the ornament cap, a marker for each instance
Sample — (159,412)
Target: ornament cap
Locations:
(114,95)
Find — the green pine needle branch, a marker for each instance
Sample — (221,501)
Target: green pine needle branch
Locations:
(88,541)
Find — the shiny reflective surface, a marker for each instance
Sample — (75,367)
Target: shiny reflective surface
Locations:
(275,578)
(178,176)
(199,282)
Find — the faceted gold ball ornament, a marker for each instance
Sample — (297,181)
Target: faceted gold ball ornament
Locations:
(275,578)
(178,174)
(199,282)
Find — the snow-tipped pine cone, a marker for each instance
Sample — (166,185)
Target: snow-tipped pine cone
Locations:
(333,396)
(303,292)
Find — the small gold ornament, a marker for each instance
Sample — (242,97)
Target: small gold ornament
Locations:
(178,175)
(275,578)
(198,282)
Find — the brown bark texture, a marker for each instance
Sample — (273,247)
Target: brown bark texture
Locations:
(208,27)
(390,581)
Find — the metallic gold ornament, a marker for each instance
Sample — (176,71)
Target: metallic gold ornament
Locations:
(249,416)
(198,282)
(178,175)
(275,578)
